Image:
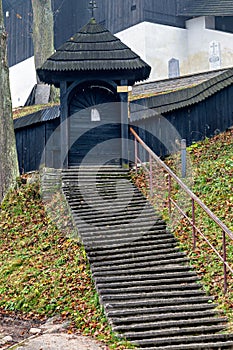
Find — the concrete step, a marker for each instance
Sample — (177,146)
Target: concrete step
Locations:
(176,331)
(132,242)
(105,291)
(144,257)
(149,226)
(122,234)
(160,317)
(145,276)
(104,258)
(225,345)
(115,219)
(144,325)
(204,342)
(162,283)
(158,310)
(85,213)
(158,302)
(141,264)
(135,248)
(152,295)
(144,269)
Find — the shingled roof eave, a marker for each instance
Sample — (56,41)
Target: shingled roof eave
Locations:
(185,97)
(205,8)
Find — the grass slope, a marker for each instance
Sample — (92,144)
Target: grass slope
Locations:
(212,167)
(43,272)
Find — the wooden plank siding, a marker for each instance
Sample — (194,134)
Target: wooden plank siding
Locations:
(31,142)
(193,123)
(18,23)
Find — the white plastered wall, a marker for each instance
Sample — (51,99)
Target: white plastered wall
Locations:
(199,39)
(157,44)
(22,81)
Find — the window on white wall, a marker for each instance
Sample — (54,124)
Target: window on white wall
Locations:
(173,68)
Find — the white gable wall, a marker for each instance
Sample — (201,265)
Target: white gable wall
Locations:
(199,39)
(162,44)
(157,44)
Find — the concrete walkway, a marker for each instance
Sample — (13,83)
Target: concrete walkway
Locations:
(59,341)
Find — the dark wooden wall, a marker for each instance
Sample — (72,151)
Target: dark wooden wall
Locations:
(224,24)
(31,142)
(162,12)
(18,23)
(193,123)
(69,17)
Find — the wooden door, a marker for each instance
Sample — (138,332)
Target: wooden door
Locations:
(95,130)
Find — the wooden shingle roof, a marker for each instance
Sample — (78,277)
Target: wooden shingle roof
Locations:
(179,98)
(38,117)
(205,8)
(93,50)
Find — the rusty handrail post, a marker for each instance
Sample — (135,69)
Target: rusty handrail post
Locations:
(194,224)
(151,176)
(224,260)
(169,193)
(136,154)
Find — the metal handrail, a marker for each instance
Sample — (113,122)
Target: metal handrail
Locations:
(195,199)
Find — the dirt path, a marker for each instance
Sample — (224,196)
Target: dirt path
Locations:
(34,335)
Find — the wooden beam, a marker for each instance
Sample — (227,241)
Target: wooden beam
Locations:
(64,126)
(124,125)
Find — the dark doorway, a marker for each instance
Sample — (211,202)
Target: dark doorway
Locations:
(94,124)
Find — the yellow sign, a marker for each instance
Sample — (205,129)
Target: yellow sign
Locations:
(122,89)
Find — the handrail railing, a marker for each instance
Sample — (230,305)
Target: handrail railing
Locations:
(192,196)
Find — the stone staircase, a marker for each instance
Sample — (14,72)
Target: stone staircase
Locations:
(149,292)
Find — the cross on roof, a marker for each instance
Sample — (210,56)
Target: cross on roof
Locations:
(92,7)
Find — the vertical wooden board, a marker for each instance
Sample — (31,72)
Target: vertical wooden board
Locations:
(19,147)
(230,107)
(24,149)
(53,144)
(40,145)
(18,26)
(32,144)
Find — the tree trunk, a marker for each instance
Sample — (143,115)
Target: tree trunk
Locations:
(43,40)
(43,31)
(8,155)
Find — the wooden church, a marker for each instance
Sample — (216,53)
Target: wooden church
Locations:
(93,70)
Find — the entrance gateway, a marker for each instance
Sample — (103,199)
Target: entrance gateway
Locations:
(93,70)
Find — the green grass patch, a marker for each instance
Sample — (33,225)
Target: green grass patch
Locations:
(43,271)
